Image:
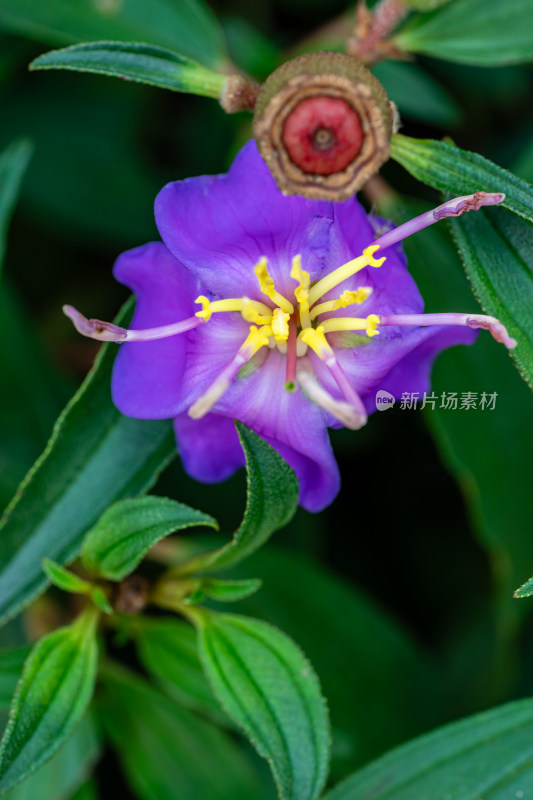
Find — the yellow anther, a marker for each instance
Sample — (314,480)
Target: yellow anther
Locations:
(267,286)
(347,298)
(340,274)
(373,321)
(280,325)
(257,338)
(368,324)
(205,313)
(302,290)
(314,337)
(251,310)
(254,311)
(369,253)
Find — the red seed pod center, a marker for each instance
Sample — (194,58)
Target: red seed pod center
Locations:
(323,135)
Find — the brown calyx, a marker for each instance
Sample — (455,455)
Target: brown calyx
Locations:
(323,125)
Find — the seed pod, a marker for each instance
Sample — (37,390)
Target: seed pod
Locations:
(323,125)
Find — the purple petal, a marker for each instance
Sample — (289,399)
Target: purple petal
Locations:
(209,447)
(291,423)
(147,376)
(220,226)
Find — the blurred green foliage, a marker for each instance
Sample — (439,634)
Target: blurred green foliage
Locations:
(401,592)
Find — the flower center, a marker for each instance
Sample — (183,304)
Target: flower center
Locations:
(294,325)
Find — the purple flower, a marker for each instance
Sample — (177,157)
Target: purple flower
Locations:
(262,290)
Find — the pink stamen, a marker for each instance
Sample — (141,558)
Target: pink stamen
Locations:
(290,374)
(491,324)
(452,208)
(218,387)
(346,388)
(340,409)
(108,332)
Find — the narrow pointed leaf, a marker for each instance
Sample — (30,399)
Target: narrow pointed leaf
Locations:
(58,778)
(272,499)
(473,32)
(51,697)
(497,253)
(189,26)
(487,755)
(166,751)
(142,63)
(267,686)
(94,457)
(126,531)
(13,163)
(496,247)
(64,578)
(11,662)
(450,169)
(526,590)
(226,591)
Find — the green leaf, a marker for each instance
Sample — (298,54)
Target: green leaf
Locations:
(366,648)
(70,582)
(267,686)
(51,697)
(95,456)
(165,749)
(99,598)
(168,650)
(450,169)
(497,249)
(272,499)
(13,163)
(497,252)
(416,93)
(188,26)
(11,662)
(486,755)
(526,590)
(60,777)
(64,578)
(142,63)
(224,591)
(473,32)
(126,532)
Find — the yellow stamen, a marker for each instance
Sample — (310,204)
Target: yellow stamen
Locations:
(280,325)
(368,324)
(347,298)
(345,271)
(314,337)
(254,311)
(205,313)
(251,310)
(267,286)
(302,290)
(257,338)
